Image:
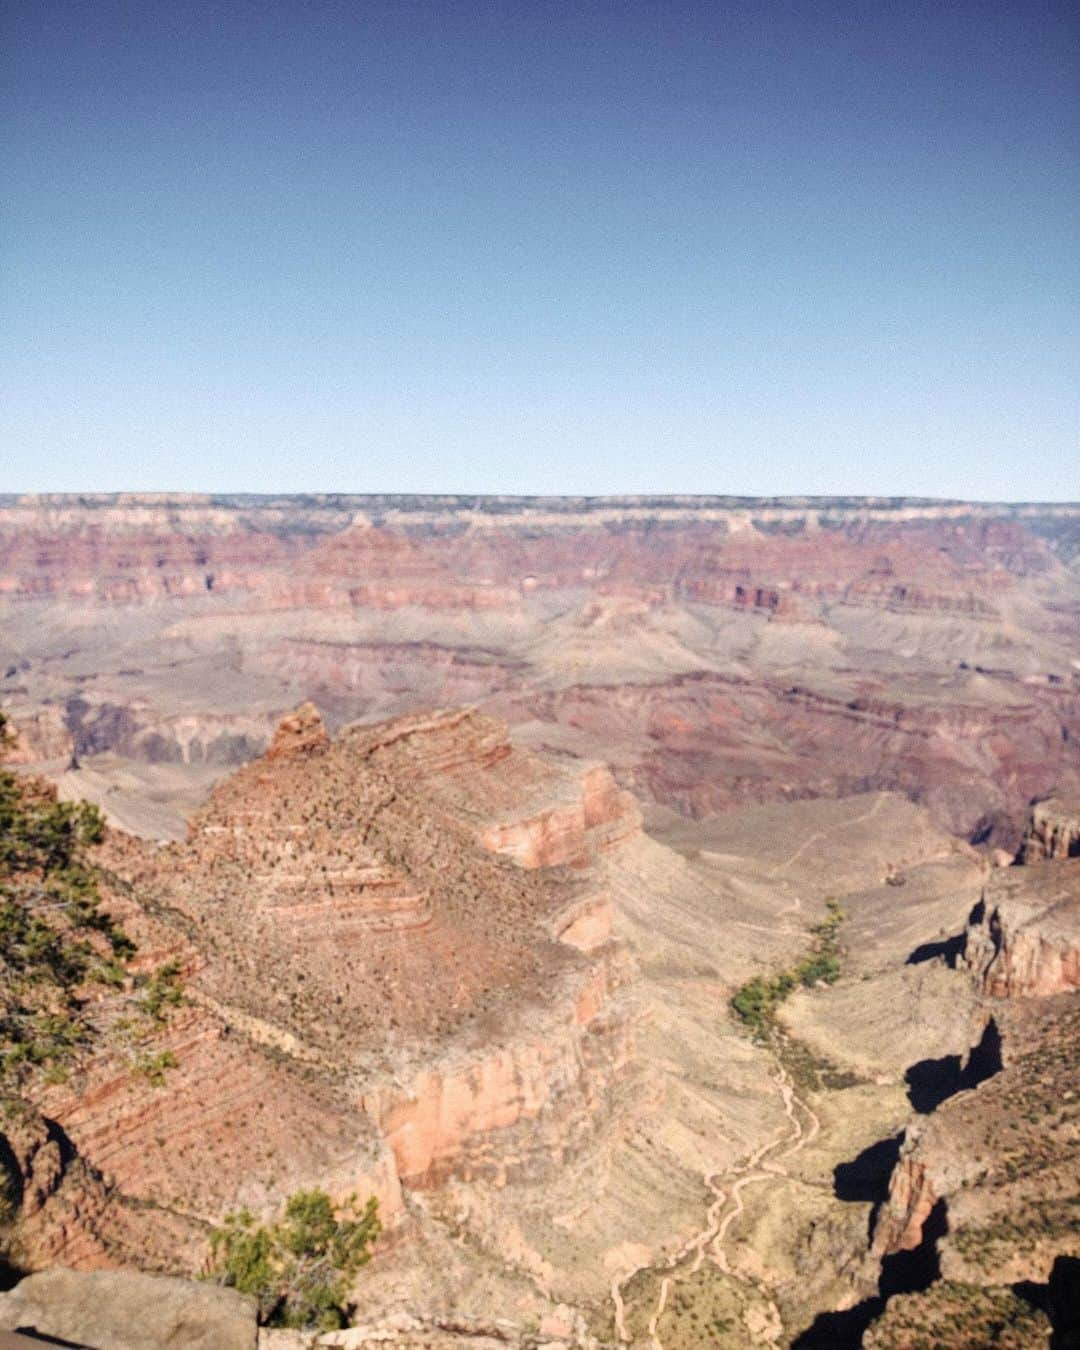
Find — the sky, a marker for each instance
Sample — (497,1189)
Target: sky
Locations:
(531,247)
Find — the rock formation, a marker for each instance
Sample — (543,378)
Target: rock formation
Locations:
(345,876)
(1025,940)
(1053,832)
(55,1204)
(999,1166)
(128,1311)
(430,950)
(1001,1160)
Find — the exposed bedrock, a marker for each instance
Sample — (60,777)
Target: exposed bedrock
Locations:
(124,1310)
(237,1119)
(569,832)
(706,743)
(1053,831)
(1000,1165)
(140,547)
(1024,940)
(925,1174)
(586,922)
(82,729)
(718,651)
(53,1204)
(478,1028)
(515,1113)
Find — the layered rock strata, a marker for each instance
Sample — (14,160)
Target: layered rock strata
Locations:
(1025,939)
(320,890)
(1053,832)
(1000,1166)
(719,651)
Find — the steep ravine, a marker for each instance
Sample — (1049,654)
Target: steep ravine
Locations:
(797,1227)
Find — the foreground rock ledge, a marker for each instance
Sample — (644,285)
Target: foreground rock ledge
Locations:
(124,1310)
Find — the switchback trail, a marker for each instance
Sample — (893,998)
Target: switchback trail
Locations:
(726,1206)
(821,834)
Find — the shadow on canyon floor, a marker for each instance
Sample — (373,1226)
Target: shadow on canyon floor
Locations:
(902,1273)
(933,1081)
(1059,1299)
(948,949)
(866,1177)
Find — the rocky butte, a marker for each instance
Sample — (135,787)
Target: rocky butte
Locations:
(666,908)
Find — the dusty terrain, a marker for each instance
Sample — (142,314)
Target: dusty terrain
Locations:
(463,931)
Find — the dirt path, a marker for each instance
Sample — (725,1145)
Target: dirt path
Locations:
(823,834)
(726,1206)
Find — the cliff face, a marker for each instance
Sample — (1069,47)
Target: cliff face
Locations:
(1002,1160)
(986,1188)
(719,651)
(706,743)
(516,1113)
(1025,941)
(54,1203)
(1053,832)
(320,890)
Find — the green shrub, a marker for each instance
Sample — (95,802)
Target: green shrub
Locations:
(153,1067)
(756,1002)
(162,990)
(298,1269)
(54,937)
(820,966)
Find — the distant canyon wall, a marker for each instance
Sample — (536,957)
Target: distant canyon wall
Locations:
(717,651)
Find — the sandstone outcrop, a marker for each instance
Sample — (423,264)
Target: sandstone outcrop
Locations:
(348,876)
(538,813)
(299,733)
(54,1205)
(972,1240)
(1001,1166)
(515,1114)
(41,735)
(912,1197)
(1025,940)
(1053,831)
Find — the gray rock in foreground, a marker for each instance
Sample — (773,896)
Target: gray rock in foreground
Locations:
(124,1310)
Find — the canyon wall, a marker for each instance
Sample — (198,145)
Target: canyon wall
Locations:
(716,651)
(1025,939)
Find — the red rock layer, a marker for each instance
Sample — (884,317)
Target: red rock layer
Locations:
(537,813)
(705,743)
(483,580)
(373,997)
(515,1112)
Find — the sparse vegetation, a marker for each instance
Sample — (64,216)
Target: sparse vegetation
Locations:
(756,1002)
(299,1268)
(55,940)
(153,1066)
(162,991)
(963,1316)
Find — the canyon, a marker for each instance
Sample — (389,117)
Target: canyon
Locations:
(466,825)
(712,651)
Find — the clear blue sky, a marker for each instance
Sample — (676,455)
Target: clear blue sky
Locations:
(541,247)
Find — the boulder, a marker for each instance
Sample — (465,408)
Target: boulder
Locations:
(125,1310)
